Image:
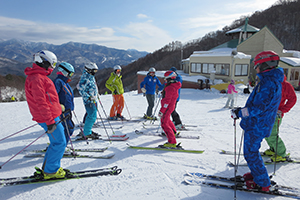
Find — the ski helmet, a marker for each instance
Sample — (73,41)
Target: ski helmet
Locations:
(266,60)
(91,68)
(152,69)
(66,68)
(173,69)
(170,75)
(117,67)
(45,59)
(232,81)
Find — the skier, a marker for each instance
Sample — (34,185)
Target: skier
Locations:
(44,106)
(174,114)
(88,89)
(230,90)
(258,116)
(169,96)
(148,87)
(288,100)
(66,96)
(115,85)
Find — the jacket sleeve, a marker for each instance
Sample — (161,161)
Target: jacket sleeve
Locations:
(290,99)
(143,83)
(160,86)
(166,101)
(109,84)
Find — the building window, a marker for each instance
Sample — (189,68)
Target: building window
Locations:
(196,67)
(241,70)
(222,69)
(207,68)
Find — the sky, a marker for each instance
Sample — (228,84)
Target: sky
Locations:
(145,25)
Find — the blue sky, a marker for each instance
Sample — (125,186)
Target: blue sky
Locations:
(145,25)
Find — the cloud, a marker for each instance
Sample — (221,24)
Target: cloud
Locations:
(141,36)
(142,16)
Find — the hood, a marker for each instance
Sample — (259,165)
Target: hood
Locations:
(35,69)
(277,73)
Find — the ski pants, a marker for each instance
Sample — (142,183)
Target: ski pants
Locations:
(91,110)
(272,139)
(230,100)
(254,160)
(118,105)
(150,99)
(168,126)
(175,116)
(56,149)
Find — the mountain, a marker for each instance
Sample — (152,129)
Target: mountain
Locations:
(75,53)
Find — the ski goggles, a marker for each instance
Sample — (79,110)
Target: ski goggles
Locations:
(118,71)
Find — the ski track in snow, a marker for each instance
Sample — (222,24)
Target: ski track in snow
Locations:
(146,174)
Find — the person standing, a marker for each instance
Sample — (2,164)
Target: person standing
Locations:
(288,100)
(148,87)
(88,89)
(169,97)
(44,106)
(258,116)
(230,94)
(66,96)
(174,114)
(115,85)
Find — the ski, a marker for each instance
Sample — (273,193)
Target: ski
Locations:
(165,149)
(69,175)
(69,150)
(163,135)
(232,180)
(71,155)
(268,162)
(75,139)
(186,125)
(240,187)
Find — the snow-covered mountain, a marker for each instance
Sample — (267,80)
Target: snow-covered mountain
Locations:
(146,174)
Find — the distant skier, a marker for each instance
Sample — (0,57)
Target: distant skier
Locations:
(170,95)
(66,96)
(44,106)
(288,100)
(88,89)
(148,87)
(258,116)
(230,94)
(115,85)
(174,114)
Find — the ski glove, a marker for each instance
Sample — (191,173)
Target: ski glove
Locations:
(92,99)
(235,113)
(160,114)
(115,92)
(143,90)
(51,128)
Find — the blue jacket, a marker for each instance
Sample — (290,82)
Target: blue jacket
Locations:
(150,83)
(258,116)
(87,87)
(64,91)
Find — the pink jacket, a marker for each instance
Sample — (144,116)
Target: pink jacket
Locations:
(41,95)
(231,89)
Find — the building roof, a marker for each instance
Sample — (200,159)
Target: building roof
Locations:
(250,29)
(230,44)
(292,61)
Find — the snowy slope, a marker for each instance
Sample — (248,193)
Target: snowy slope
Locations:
(146,174)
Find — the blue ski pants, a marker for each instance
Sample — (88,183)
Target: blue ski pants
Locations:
(56,149)
(91,110)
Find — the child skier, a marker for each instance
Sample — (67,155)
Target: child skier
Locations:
(66,96)
(148,87)
(88,89)
(230,94)
(115,85)
(44,106)
(170,94)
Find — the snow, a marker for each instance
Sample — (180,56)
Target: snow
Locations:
(146,174)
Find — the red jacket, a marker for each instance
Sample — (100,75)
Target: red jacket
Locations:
(42,98)
(171,95)
(288,97)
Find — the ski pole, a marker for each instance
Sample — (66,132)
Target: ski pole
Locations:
(127,109)
(153,115)
(67,128)
(19,131)
(241,143)
(278,122)
(235,167)
(102,122)
(105,114)
(80,127)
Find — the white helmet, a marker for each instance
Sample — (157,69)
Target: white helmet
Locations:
(45,59)
(117,67)
(152,69)
(91,68)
